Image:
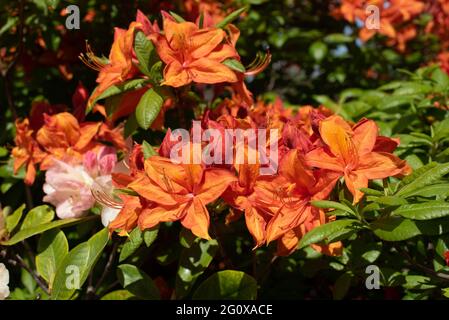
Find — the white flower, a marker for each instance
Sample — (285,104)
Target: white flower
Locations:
(108,215)
(4,281)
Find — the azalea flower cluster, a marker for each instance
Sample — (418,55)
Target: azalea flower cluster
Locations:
(75,154)
(397,21)
(315,148)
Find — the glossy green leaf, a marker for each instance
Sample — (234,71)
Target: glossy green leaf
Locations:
(129,85)
(148,150)
(143,48)
(227,285)
(133,243)
(137,282)
(326,204)
(422,177)
(423,211)
(231,17)
(390,200)
(77,265)
(329,230)
(36,216)
(149,106)
(119,295)
(342,286)
(192,263)
(51,250)
(150,235)
(13,219)
(234,65)
(318,50)
(177,17)
(27,233)
(395,229)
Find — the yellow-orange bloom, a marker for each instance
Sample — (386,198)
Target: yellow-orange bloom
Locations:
(179,192)
(352,153)
(192,54)
(27,152)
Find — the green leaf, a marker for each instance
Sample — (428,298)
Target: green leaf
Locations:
(27,233)
(342,286)
(129,85)
(186,238)
(52,249)
(326,204)
(77,265)
(156,72)
(36,216)
(417,282)
(28,281)
(338,38)
(424,211)
(441,130)
(131,125)
(128,192)
(422,177)
(231,17)
(150,235)
(13,220)
(148,150)
(201,21)
(318,50)
(234,65)
(440,77)
(148,108)
(441,189)
(227,285)
(372,192)
(390,200)
(119,295)
(192,263)
(177,17)
(133,243)
(144,49)
(329,230)
(327,102)
(395,229)
(137,282)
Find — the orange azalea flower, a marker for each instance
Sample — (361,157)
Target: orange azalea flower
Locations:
(128,216)
(395,18)
(179,192)
(130,207)
(298,185)
(254,195)
(213,10)
(62,135)
(27,151)
(192,54)
(351,152)
(120,66)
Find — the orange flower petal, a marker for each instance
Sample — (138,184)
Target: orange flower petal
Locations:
(152,217)
(197,219)
(210,71)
